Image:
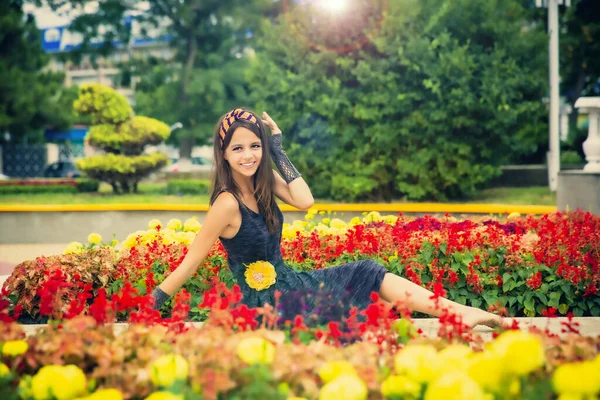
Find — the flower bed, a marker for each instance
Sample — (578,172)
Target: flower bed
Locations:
(521,266)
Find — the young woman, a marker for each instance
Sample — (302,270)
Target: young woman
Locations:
(245,217)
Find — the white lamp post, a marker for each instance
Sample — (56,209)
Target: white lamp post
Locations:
(554,120)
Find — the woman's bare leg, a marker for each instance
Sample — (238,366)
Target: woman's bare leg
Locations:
(396,289)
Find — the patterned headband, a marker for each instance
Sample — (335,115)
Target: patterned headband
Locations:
(231,117)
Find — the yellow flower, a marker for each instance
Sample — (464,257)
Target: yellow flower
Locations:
(168,369)
(3,370)
(164,396)
(418,362)
(325,221)
(256,350)
(400,386)
(174,224)
(333,369)
(60,382)
(523,352)
(154,223)
(579,378)
(346,387)
(454,386)
(355,221)
(373,216)
(454,358)
(73,248)
(104,394)
(14,348)
(192,225)
(390,219)
(486,369)
(337,224)
(260,275)
(94,238)
(513,216)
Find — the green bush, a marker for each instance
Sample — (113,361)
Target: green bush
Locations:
(31,189)
(187,186)
(129,137)
(102,104)
(85,185)
(571,157)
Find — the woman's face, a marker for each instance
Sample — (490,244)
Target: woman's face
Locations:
(244,152)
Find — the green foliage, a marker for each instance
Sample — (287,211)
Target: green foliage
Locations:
(428,107)
(129,137)
(103,104)
(122,136)
(87,185)
(121,171)
(34,189)
(187,186)
(32,98)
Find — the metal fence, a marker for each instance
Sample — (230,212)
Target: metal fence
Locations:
(30,160)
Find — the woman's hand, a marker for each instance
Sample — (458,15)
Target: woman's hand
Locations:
(268,121)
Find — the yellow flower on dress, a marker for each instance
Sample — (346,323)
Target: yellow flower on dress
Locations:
(260,275)
(14,348)
(94,238)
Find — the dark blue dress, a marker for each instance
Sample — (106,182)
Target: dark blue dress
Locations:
(319,295)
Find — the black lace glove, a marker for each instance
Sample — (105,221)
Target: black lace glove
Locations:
(159,297)
(281,160)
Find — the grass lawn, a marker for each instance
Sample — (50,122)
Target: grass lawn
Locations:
(152,193)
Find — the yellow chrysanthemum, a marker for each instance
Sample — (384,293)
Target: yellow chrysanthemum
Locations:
(94,238)
(325,221)
(104,394)
(154,223)
(486,369)
(60,382)
(168,369)
(192,225)
(390,219)
(260,275)
(331,370)
(355,221)
(174,224)
(454,386)
(373,216)
(418,362)
(14,348)
(256,350)
(400,386)
(73,248)
(579,378)
(164,396)
(347,387)
(454,358)
(523,352)
(337,224)
(3,370)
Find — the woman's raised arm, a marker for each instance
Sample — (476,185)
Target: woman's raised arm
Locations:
(218,218)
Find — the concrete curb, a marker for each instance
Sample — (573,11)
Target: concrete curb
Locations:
(588,326)
(354,207)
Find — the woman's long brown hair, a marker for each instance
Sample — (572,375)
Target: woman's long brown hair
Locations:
(264,181)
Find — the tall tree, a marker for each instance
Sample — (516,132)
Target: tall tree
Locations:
(31,98)
(210,39)
(423,99)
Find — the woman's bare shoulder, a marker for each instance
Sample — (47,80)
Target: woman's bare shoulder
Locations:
(225,202)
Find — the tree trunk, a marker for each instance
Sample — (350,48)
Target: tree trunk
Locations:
(186,144)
